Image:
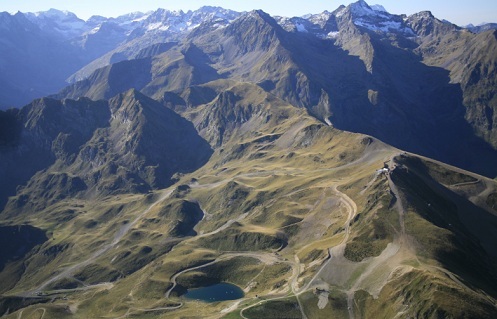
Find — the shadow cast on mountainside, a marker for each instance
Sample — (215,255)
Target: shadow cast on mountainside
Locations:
(17,241)
(202,71)
(448,227)
(111,80)
(10,135)
(17,244)
(425,111)
(402,101)
(73,148)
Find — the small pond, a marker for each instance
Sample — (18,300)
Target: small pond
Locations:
(219,292)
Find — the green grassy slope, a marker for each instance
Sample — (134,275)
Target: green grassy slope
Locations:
(289,209)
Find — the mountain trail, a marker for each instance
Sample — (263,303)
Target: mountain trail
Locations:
(68,272)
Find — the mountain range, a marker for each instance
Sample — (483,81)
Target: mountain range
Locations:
(74,48)
(339,164)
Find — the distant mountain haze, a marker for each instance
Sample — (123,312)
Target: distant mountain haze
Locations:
(334,165)
(358,68)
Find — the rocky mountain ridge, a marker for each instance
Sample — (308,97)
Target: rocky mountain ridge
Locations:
(279,193)
(101,41)
(80,146)
(374,81)
(328,166)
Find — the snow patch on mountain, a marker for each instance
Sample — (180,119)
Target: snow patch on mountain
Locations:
(141,18)
(379,8)
(385,26)
(332,35)
(55,14)
(94,30)
(62,23)
(301,28)
(179,21)
(377,19)
(320,19)
(340,12)
(69,26)
(361,8)
(163,21)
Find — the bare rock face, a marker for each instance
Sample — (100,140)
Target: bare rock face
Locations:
(358,68)
(278,154)
(129,144)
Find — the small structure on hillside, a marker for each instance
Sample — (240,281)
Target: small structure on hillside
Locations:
(384,170)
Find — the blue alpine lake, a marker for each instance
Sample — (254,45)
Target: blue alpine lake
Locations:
(214,293)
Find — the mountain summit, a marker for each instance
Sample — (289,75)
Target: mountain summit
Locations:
(130,143)
(335,165)
(356,68)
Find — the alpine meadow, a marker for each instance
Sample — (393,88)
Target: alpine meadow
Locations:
(238,165)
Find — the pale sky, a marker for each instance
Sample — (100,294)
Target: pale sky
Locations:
(461,12)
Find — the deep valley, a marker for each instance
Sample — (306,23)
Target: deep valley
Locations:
(338,165)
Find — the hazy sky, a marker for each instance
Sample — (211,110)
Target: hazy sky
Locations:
(460,12)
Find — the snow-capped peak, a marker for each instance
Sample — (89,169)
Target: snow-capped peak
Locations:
(424,14)
(379,8)
(361,8)
(177,22)
(63,23)
(376,18)
(54,13)
(320,18)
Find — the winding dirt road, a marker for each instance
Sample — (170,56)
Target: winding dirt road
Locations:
(123,231)
(369,156)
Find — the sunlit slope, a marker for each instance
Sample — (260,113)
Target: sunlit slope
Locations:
(293,211)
